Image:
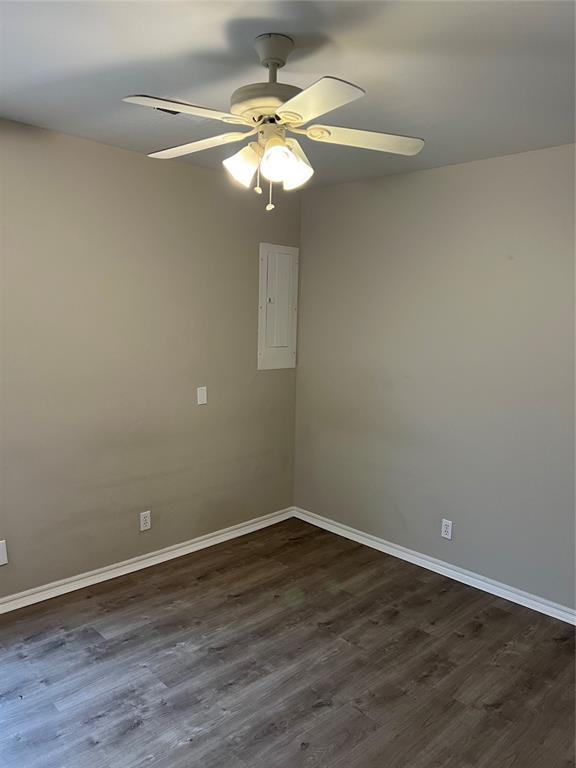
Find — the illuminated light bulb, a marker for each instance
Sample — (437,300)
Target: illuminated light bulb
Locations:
(258,190)
(243,165)
(277,160)
(270,207)
(300,170)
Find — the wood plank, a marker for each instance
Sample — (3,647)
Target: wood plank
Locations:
(287,648)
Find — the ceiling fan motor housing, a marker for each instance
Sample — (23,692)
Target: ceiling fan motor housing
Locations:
(261,99)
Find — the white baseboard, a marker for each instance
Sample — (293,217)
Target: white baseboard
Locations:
(38,594)
(55,588)
(540,604)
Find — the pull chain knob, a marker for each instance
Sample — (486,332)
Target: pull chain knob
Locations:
(270,206)
(258,188)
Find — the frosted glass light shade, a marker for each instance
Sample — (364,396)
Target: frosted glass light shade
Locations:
(300,169)
(242,166)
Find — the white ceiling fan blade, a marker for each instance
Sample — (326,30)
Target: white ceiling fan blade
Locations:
(351,137)
(323,96)
(201,144)
(181,107)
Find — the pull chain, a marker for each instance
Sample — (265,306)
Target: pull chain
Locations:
(270,206)
(258,188)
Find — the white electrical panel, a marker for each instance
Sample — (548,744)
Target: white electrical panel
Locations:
(277,306)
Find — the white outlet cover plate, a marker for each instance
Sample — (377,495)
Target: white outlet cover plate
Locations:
(202,395)
(446,529)
(145,521)
(3,552)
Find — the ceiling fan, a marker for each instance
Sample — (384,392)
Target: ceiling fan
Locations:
(271,111)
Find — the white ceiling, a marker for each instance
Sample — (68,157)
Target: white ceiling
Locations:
(475,79)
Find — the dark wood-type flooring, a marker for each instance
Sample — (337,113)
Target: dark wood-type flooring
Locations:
(287,648)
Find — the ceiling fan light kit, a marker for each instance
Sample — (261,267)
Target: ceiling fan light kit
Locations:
(271,110)
(243,165)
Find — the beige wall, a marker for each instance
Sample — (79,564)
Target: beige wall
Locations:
(436,364)
(435,360)
(127,283)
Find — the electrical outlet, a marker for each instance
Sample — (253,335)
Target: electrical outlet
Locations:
(3,552)
(145,520)
(202,395)
(446,529)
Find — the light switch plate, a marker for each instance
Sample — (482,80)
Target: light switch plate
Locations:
(3,553)
(202,395)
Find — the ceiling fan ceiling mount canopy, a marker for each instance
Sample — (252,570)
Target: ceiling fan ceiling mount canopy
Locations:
(273,49)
